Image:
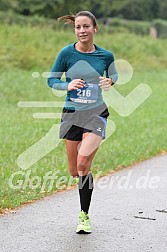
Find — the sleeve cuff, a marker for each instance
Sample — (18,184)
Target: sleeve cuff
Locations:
(61,86)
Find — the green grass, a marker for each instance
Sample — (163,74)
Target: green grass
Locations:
(34,48)
(137,137)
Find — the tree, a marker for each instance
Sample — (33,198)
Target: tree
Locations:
(5,5)
(128,9)
(163,10)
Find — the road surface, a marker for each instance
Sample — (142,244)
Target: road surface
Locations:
(128,213)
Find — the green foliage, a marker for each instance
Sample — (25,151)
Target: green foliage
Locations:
(137,9)
(49,8)
(30,7)
(109,25)
(30,47)
(126,9)
(163,10)
(5,5)
(134,26)
(12,18)
(161,27)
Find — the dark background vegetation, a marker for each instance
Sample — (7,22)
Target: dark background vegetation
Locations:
(136,16)
(127,9)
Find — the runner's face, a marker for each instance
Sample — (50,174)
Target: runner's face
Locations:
(84,29)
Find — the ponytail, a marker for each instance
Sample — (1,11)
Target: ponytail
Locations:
(70,19)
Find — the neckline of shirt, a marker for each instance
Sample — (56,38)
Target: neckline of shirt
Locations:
(84,52)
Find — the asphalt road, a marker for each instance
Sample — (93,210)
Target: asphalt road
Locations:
(128,213)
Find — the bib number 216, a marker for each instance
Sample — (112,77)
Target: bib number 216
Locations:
(84,93)
(87,94)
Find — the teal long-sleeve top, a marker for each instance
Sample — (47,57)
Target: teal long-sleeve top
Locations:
(79,65)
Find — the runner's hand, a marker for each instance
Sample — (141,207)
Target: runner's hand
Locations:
(105,83)
(75,84)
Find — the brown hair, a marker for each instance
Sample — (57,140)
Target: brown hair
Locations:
(70,19)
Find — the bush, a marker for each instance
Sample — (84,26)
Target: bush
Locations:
(161,27)
(134,26)
(11,18)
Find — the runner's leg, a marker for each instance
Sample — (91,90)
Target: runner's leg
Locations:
(72,153)
(83,167)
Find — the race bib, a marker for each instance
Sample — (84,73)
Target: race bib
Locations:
(87,94)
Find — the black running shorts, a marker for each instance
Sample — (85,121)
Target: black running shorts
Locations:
(75,123)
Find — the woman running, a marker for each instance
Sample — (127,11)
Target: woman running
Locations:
(85,113)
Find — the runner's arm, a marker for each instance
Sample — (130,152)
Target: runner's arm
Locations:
(58,68)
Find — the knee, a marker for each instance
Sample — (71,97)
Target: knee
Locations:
(83,165)
(74,174)
(73,170)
